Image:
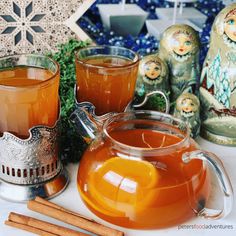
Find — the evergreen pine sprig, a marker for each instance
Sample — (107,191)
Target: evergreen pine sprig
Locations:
(70,143)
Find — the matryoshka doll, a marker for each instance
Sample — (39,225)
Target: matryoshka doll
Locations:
(218,81)
(188,109)
(179,48)
(153,76)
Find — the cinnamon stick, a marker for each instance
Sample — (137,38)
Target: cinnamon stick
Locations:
(45,202)
(29,228)
(73,219)
(43,225)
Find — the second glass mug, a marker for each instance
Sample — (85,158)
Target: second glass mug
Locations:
(142,170)
(106,77)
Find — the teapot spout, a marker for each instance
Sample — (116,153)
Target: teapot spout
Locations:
(88,124)
(83,118)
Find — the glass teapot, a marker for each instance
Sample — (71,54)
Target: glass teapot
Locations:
(142,169)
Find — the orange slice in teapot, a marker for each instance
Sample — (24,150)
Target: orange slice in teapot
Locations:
(122,184)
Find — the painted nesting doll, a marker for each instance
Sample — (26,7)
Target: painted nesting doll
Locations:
(153,76)
(188,109)
(179,48)
(218,80)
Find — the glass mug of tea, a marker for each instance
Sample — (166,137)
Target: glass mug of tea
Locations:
(29,123)
(142,170)
(28,93)
(106,76)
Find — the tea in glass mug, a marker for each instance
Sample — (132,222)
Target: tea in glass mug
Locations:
(28,93)
(142,170)
(106,77)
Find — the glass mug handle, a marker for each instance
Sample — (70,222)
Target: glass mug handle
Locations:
(223,180)
(148,95)
(89,124)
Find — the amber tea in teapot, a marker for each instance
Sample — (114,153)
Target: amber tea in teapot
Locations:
(144,171)
(146,187)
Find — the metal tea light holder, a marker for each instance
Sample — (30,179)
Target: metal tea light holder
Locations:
(31,167)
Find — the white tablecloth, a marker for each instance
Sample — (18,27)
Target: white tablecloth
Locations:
(70,199)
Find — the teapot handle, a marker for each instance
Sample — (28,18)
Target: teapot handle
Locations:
(223,181)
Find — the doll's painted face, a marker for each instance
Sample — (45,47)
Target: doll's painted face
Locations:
(152,70)
(230,26)
(182,44)
(188,107)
